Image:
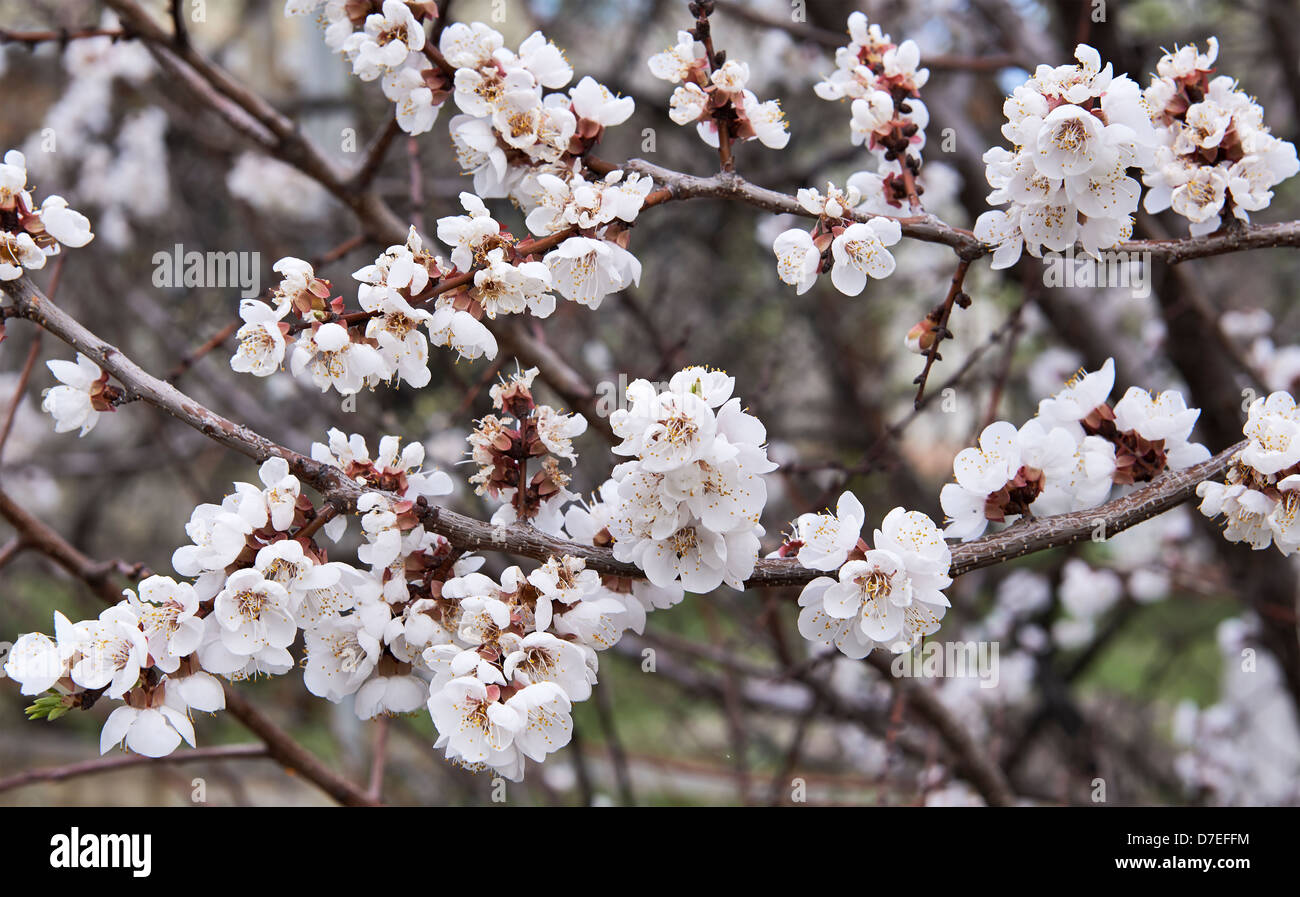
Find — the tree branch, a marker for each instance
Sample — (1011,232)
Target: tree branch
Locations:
(375,154)
(36,535)
(728,185)
(1025,537)
(281,747)
(978,766)
(929,229)
(61,35)
(941,316)
(33,352)
(112,764)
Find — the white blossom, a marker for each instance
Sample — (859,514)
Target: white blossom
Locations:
(689,503)
(153,731)
(557,431)
(1077,129)
(471,235)
(386,40)
(461,331)
(1165,417)
(675,63)
(594,102)
(68,226)
(826,539)
(1246,510)
(395,327)
(1083,395)
(111,651)
(542,657)
(330,358)
(892,598)
(72,404)
(261,339)
(1273,430)
(19,252)
(219,534)
(859,252)
(1213,151)
(473,726)
(797,259)
(413,100)
(36,662)
(255,618)
(585,271)
(341,654)
(168,616)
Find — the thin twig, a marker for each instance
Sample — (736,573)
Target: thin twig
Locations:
(870,458)
(374,155)
(982,771)
(940,317)
(734,712)
(11,550)
(586,791)
(416,182)
(1004,371)
(337,252)
(193,358)
(323,516)
(781,780)
(32,354)
(62,35)
(617,756)
(723,122)
(40,537)
(113,764)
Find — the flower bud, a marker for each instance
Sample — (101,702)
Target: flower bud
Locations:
(921,338)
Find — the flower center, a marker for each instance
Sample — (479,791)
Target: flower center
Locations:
(1071,136)
(680,429)
(539,664)
(684,540)
(876,584)
(861,251)
(250,603)
(1202,192)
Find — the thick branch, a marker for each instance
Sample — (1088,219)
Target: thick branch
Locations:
(281,747)
(1023,538)
(33,352)
(34,534)
(1038,534)
(929,229)
(1234,239)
